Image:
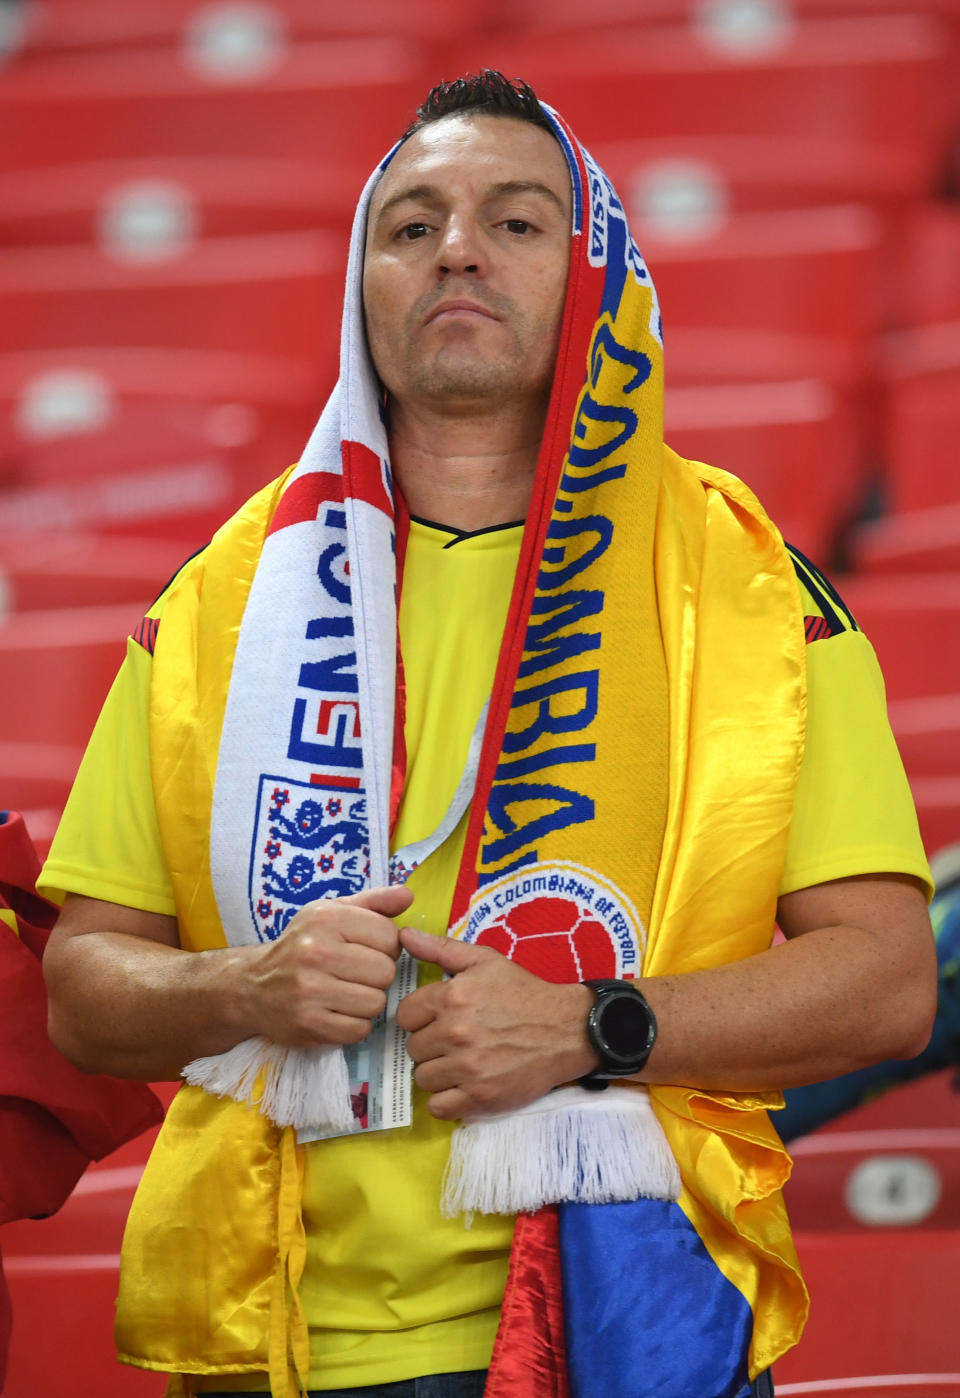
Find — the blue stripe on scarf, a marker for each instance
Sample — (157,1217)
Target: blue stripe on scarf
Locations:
(647,1312)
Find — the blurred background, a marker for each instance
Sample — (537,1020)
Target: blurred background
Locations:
(177,180)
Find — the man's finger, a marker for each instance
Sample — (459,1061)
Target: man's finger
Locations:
(390,901)
(444,952)
(419,1008)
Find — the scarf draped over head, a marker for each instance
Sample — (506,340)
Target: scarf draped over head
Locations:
(633,788)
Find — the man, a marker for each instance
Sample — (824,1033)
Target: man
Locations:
(631,803)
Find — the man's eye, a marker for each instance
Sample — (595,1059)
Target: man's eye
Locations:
(516,225)
(413,230)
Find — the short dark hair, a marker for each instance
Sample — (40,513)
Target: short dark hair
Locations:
(487,93)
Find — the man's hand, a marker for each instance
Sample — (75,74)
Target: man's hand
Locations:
(494,1037)
(326,979)
(126,999)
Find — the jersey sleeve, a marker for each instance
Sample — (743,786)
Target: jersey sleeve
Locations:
(853,811)
(107,844)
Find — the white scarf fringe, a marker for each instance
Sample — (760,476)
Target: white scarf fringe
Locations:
(592,1147)
(293,1087)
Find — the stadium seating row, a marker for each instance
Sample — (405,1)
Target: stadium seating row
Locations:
(881,82)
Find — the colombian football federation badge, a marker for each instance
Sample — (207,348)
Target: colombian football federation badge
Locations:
(310,842)
(560,921)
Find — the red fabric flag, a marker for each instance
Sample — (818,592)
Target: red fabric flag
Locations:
(528,1356)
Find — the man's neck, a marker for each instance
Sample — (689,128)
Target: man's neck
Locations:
(468,472)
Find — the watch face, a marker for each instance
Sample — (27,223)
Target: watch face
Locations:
(625,1024)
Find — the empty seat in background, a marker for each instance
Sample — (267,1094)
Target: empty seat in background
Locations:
(913,621)
(45,571)
(71,1261)
(795,444)
(727,24)
(83,1289)
(810,274)
(684,187)
(183,493)
(929,257)
(49,395)
(874,1200)
(57,668)
(881,1317)
(146,442)
(276,294)
(937,800)
(705,354)
(231,33)
(37,777)
(912,541)
(75,416)
(928,734)
(146,210)
(920,372)
(337,101)
(877,80)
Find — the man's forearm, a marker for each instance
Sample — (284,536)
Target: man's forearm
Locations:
(806,1010)
(139,1009)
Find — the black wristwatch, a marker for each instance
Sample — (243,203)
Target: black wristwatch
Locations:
(622,1028)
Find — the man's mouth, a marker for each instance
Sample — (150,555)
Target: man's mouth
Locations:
(460,306)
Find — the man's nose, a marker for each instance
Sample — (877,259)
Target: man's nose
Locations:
(460,249)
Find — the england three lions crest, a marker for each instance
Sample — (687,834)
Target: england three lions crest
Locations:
(309,842)
(561,921)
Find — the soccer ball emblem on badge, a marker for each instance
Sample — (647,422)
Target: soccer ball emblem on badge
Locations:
(562,922)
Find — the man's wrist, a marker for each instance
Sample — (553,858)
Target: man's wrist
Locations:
(579,1056)
(622,1030)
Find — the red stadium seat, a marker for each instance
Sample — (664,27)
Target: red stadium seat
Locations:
(333,101)
(140,209)
(57,667)
(143,441)
(882,1306)
(683,186)
(705,354)
(930,257)
(69,1262)
(64,25)
(809,273)
(877,80)
(35,779)
(938,810)
(832,1191)
(928,734)
(914,541)
(256,295)
(211,398)
(921,384)
(726,22)
(81,1291)
(795,444)
(875,1201)
(913,621)
(182,494)
(50,571)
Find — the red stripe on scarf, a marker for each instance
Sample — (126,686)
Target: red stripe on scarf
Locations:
(303,498)
(363,470)
(398,774)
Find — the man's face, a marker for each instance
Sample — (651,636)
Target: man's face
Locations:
(468,247)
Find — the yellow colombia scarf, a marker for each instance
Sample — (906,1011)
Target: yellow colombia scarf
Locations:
(654,601)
